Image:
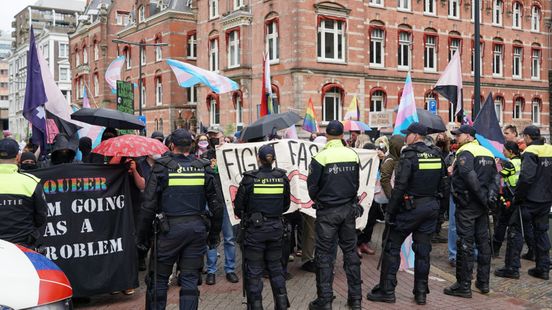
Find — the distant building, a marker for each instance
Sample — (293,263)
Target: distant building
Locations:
(51,20)
(5,52)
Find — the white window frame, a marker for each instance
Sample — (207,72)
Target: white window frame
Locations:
(336,33)
(191,95)
(96,51)
(233,49)
(498,55)
(473,11)
(192,47)
(213,55)
(430,7)
(141,14)
(96,85)
(517,112)
(454,7)
(455,47)
(127,59)
(213,113)
(85,55)
(63,50)
(517,58)
(272,42)
(158,53)
(535,18)
(498,13)
(158,91)
(239,111)
(404,46)
(376,3)
(404,5)
(213,9)
(122,19)
(472,64)
(517,21)
(535,117)
(499,109)
(144,93)
(238,4)
(143,59)
(430,52)
(46,50)
(377,100)
(451,113)
(535,63)
(68,76)
(377,43)
(335,95)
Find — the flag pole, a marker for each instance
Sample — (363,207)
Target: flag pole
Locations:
(477,61)
(93,100)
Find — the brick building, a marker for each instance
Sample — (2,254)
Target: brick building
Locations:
(331,51)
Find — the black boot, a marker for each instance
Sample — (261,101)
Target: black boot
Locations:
(541,274)
(382,293)
(255,304)
(320,304)
(530,255)
(420,291)
(496,249)
(354,304)
(281,302)
(458,289)
(506,272)
(482,287)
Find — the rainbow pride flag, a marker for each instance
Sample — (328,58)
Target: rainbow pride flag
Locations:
(309,122)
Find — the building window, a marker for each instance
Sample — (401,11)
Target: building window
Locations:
(213,9)
(273,40)
(233,49)
(141,14)
(213,55)
(516,15)
(404,50)
(85,55)
(430,53)
(332,105)
(535,63)
(518,108)
(238,4)
(96,51)
(214,112)
(482,47)
(454,9)
(64,73)
(473,10)
(517,62)
(127,58)
(535,111)
(63,50)
(376,3)
(497,59)
(192,95)
(331,40)
(143,92)
(46,50)
(143,59)
(535,18)
(122,18)
(239,109)
(498,103)
(403,5)
(497,12)
(377,101)
(158,53)
(451,113)
(96,85)
(429,7)
(377,39)
(455,45)
(192,46)
(158,91)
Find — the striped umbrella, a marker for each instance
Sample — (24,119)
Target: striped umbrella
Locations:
(351,125)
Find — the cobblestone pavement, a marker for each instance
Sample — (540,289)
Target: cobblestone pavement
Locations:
(526,293)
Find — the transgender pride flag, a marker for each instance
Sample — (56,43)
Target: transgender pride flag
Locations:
(188,75)
(407,108)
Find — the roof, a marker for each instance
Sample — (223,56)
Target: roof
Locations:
(94,6)
(71,5)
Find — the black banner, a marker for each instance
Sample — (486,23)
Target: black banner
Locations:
(89,233)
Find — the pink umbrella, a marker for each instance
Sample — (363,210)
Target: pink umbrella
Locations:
(350,125)
(130,146)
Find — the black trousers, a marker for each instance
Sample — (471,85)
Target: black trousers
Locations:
(375,214)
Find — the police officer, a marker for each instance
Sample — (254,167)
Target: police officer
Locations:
(22,201)
(262,198)
(475,184)
(333,183)
(533,195)
(413,208)
(178,190)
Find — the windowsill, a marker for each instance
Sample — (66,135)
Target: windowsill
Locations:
(381,6)
(535,31)
(404,10)
(497,25)
(517,28)
(496,76)
(453,17)
(158,104)
(535,79)
(274,62)
(191,58)
(233,67)
(213,18)
(430,14)
(377,66)
(158,60)
(430,70)
(331,61)
(403,68)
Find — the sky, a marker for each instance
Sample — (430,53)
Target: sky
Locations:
(8,11)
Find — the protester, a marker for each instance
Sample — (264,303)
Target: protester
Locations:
(263,196)
(510,133)
(181,200)
(158,135)
(85,146)
(202,145)
(452,238)
(474,187)
(533,195)
(63,150)
(442,142)
(27,162)
(412,209)
(21,219)
(361,140)
(390,163)
(335,198)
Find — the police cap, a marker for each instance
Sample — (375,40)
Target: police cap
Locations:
(467,129)
(532,131)
(8,148)
(416,128)
(181,137)
(267,150)
(334,128)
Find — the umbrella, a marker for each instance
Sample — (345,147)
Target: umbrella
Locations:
(108,118)
(351,125)
(433,122)
(130,146)
(269,124)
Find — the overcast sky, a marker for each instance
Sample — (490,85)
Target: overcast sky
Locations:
(8,9)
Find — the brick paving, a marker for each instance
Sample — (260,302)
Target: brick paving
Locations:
(526,293)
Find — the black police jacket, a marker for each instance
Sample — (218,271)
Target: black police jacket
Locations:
(179,185)
(265,190)
(474,174)
(334,175)
(22,206)
(421,173)
(534,183)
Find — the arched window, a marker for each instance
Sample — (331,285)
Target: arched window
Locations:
(404,52)
(377,100)
(85,54)
(237,98)
(158,50)
(517,12)
(535,18)
(535,111)
(127,53)
(275,98)
(143,59)
(161,124)
(213,104)
(377,43)
(499,107)
(517,112)
(158,90)
(96,85)
(498,7)
(332,97)
(272,37)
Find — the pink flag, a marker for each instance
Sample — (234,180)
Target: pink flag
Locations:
(85,100)
(113,73)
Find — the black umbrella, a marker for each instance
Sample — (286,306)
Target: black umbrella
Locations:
(433,122)
(269,124)
(108,118)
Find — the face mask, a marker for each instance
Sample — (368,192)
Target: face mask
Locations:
(28,166)
(203,144)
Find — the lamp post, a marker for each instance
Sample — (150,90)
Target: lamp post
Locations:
(141,46)
(477,61)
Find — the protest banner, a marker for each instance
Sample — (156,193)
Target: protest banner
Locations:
(89,231)
(294,156)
